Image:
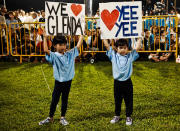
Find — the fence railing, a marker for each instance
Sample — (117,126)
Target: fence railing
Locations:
(26,39)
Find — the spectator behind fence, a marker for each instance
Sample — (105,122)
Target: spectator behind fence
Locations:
(97,22)
(42,18)
(22,16)
(172,42)
(16,16)
(12,20)
(4,13)
(99,46)
(35,17)
(154,30)
(164,38)
(3,46)
(158,56)
(159,7)
(29,18)
(146,40)
(25,46)
(38,15)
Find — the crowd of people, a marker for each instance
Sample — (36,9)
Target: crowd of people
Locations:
(159,34)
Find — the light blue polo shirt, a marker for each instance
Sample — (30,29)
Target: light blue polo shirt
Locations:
(122,66)
(63,65)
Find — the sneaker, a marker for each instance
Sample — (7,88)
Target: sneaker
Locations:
(63,121)
(128,121)
(115,119)
(47,120)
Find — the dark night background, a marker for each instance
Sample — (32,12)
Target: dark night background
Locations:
(39,4)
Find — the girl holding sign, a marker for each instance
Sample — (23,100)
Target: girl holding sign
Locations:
(63,68)
(122,62)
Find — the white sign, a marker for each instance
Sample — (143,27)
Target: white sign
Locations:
(120,20)
(64,18)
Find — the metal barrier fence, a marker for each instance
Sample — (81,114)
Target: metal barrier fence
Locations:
(167,27)
(26,39)
(161,35)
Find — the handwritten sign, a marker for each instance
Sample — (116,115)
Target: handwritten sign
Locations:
(120,20)
(64,18)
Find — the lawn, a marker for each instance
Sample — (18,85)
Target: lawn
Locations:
(25,97)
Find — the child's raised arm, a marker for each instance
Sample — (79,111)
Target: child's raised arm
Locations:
(80,41)
(106,44)
(46,50)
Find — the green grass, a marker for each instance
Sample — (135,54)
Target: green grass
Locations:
(25,98)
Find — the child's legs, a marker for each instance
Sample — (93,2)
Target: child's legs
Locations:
(65,94)
(117,97)
(55,98)
(128,97)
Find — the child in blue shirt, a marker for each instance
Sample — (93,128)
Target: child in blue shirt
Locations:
(63,69)
(122,67)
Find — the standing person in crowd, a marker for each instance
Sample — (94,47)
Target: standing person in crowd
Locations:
(2,20)
(42,18)
(25,45)
(22,15)
(122,62)
(30,18)
(154,31)
(38,15)
(146,40)
(35,17)
(159,7)
(3,46)
(163,38)
(42,26)
(12,20)
(63,66)
(99,45)
(4,13)
(97,22)
(157,46)
(16,16)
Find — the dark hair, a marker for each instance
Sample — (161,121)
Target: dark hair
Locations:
(24,31)
(34,29)
(145,30)
(171,35)
(121,42)
(157,34)
(162,31)
(59,40)
(11,13)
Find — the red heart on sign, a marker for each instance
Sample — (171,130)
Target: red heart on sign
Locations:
(109,19)
(76,9)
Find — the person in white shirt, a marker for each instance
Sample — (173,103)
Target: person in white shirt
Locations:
(30,19)
(97,20)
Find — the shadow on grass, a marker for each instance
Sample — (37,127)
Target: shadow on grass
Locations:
(164,68)
(163,107)
(104,67)
(23,66)
(78,74)
(80,118)
(29,66)
(9,65)
(137,70)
